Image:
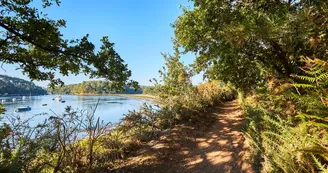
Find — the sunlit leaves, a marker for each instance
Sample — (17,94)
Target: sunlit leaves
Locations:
(174,76)
(35,42)
(259,36)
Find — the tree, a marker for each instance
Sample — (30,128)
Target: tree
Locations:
(34,41)
(175,79)
(238,41)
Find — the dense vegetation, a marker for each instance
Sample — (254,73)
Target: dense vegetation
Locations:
(12,85)
(151,90)
(288,121)
(242,41)
(92,87)
(275,53)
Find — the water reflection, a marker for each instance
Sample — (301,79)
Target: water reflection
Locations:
(110,108)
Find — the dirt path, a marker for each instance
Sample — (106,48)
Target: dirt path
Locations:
(214,147)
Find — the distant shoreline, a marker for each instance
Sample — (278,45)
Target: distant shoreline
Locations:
(138,96)
(20,95)
(145,96)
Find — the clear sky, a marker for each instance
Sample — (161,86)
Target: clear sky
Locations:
(140,30)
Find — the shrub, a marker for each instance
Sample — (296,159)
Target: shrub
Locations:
(64,143)
(175,109)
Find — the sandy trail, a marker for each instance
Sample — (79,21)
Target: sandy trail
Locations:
(214,147)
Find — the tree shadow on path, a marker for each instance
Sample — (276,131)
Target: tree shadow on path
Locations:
(217,146)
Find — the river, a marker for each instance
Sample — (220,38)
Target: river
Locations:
(110,108)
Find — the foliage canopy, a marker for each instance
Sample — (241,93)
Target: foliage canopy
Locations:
(28,37)
(239,41)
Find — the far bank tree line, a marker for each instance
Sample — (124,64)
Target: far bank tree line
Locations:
(98,87)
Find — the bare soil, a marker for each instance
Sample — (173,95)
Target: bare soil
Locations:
(213,147)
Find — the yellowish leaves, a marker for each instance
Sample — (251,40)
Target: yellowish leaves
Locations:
(314,42)
(236,35)
(278,86)
(183,77)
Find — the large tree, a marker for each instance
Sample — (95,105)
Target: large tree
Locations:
(29,38)
(240,40)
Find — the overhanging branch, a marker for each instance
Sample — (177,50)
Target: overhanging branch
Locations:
(29,40)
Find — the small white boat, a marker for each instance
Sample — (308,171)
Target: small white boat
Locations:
(23,109)
(14,99)
(3,100)
(59,98)
(24,98)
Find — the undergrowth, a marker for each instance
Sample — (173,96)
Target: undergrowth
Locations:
(288,121)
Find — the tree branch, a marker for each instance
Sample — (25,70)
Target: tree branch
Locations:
(281,56)
(29,40)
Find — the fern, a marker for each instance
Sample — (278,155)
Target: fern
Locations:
(304,85)
(323,76)
(304,116)
(322,167)
(291,130)
(307,78)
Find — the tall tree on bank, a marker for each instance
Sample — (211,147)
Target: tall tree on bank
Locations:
(239,40)
(33,41)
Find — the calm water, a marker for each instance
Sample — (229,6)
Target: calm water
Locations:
(110,108)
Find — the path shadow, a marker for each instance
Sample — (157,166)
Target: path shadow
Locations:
(193,148)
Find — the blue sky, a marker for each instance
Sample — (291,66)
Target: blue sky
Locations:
(140,30)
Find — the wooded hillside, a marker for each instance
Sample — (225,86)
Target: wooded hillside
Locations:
(13,85)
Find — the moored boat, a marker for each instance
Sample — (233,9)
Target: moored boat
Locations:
(23,109)
(44,104)
(58,98)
